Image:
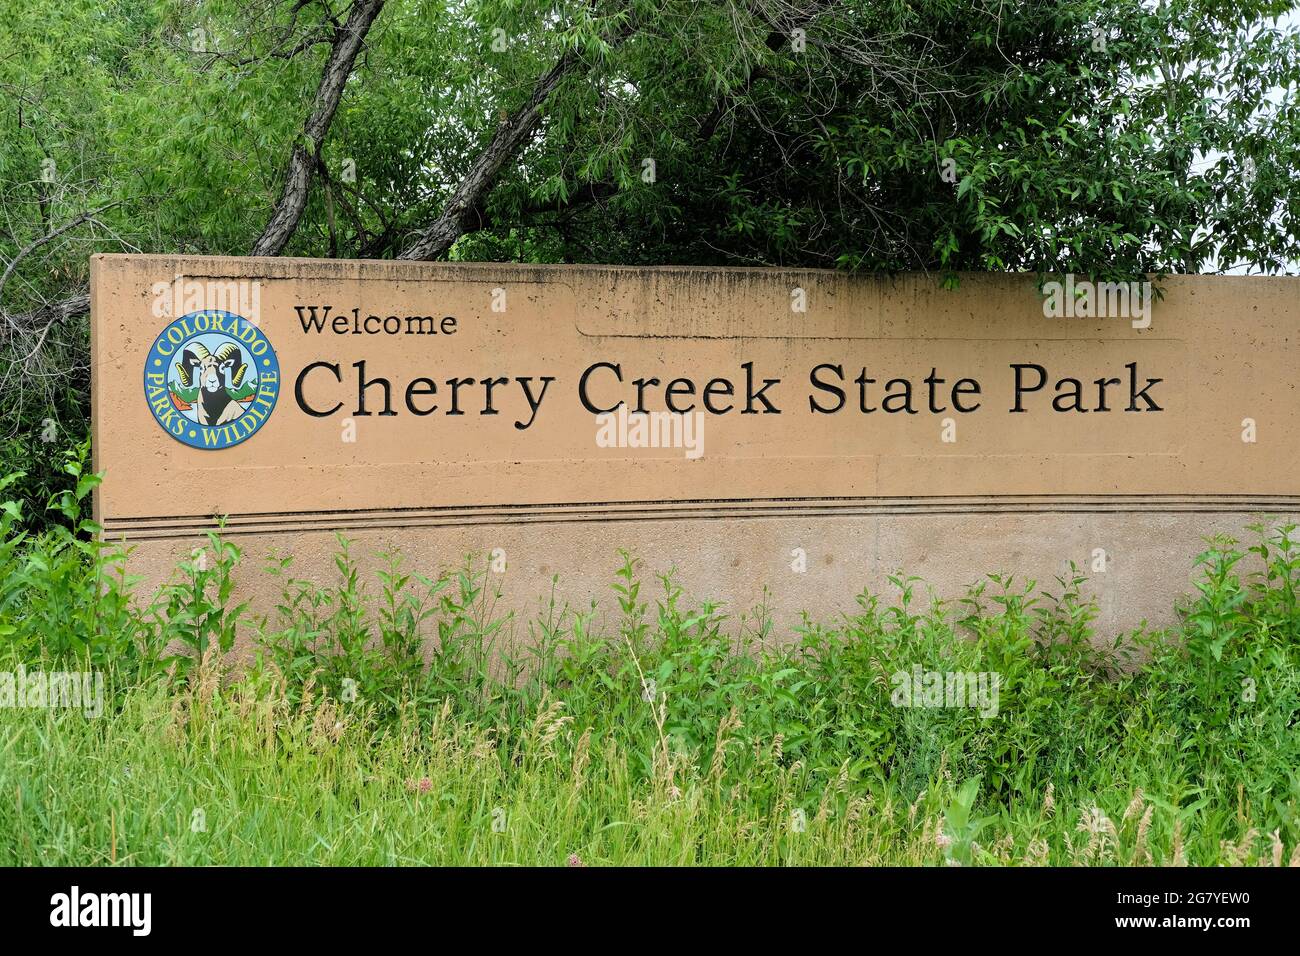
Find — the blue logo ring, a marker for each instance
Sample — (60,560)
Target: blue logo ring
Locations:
(211,379)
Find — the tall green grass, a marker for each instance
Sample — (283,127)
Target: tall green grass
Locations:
(655,733)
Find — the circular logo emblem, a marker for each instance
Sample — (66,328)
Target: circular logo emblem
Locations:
(211,379)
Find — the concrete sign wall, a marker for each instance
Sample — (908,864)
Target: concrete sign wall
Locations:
(724,422)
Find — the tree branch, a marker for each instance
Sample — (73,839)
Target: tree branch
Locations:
(462,213)
(60,311)
(48,237)
(302,160)
(584,195)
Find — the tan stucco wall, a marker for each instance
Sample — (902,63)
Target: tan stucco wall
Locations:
(863,495)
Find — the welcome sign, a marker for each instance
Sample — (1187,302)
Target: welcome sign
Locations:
(443,407)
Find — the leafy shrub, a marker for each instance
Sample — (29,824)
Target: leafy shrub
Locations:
(65,597)
(687,701)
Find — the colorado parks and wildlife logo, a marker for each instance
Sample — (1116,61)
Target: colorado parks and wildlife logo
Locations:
(211,379)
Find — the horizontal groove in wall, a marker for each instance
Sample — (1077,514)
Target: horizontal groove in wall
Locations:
(399,518)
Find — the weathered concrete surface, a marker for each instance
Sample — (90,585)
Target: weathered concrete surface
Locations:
(734,560)
(864,494)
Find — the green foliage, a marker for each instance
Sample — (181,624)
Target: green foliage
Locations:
(1239,643)
(64,594)
(198,608)
(961,826)
(328,637)
(1157,747)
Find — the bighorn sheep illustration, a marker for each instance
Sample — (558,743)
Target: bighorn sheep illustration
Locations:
(212,372)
